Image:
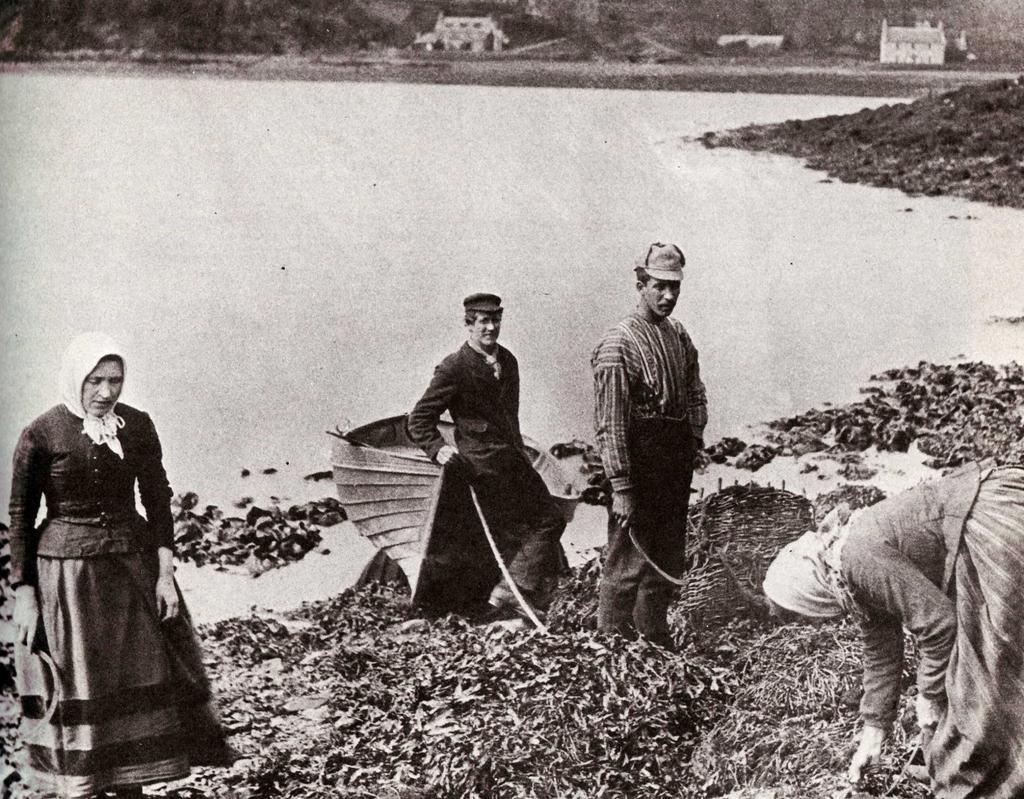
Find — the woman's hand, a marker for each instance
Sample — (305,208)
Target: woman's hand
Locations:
(26,613)
(166,590)
(166,597)
(869,752)
(928,711)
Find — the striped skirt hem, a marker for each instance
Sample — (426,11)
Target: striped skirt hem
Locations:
(111,695)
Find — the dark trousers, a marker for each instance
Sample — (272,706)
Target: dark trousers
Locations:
(633,599)
(527,524)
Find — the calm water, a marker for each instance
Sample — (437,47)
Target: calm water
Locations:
(278,258)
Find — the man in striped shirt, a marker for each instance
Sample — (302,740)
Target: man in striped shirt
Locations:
(650,409)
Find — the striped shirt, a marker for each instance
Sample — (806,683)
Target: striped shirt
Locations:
(643,370)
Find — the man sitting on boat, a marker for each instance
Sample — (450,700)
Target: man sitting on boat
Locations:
(479,386)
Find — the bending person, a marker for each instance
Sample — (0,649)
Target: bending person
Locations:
(112,685)
(945,561)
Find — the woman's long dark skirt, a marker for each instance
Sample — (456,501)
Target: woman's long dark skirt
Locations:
(978,748)
(129,702)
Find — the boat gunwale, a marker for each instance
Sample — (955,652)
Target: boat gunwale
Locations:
(382,501)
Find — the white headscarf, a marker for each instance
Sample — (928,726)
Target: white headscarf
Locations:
(82,356)
(806,576)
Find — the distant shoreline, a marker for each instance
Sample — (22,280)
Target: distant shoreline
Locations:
(782,76)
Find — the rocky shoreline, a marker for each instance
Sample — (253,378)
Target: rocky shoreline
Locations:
(965,143)
(781,75)
(953,413)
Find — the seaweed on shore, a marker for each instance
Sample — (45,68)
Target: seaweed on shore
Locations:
(968,143)
(442,708)
(855,496)
(954,412)
(266,538)
(349,697)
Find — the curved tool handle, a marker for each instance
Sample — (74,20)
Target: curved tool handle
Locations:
(51,675)
(504,569)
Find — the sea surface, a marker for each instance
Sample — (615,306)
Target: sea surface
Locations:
(278,258)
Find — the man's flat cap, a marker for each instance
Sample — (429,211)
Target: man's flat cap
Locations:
(663,262)
(487,303)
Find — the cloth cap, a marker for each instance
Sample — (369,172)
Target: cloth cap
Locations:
(796,579)
(663,262)
(487,303)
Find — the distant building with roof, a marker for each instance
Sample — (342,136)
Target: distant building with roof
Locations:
(751,41)
(476,34)
(921,44)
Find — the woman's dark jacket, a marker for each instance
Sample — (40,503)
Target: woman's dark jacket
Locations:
(89,491)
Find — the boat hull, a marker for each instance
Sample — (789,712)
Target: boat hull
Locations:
(421,516)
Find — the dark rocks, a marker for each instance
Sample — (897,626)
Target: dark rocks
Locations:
(755,456)
(598,490)
(726,448)
(1006,320)
(968,143)
(797,441)
(954,412)
(264,539)
(567,449)
(857,471)
(856,496)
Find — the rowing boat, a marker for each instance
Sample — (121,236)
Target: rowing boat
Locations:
(421,515)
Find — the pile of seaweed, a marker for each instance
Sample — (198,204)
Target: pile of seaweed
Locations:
(968,143)
(794,719)
(854,496)
(264,539)
(954,412)
(444,708)
(352,697)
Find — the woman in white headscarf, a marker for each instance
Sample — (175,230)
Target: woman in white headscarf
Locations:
(112,686)
(944,561)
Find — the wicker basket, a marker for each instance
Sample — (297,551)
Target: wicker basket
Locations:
(746,526)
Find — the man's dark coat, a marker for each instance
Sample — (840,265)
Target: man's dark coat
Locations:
(485,411)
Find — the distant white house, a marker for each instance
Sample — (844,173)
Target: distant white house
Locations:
(921,44)
(753,42)
(476,34)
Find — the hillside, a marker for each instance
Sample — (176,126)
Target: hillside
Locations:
(614,29)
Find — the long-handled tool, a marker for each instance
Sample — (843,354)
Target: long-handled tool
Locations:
(504,569)
(749,596)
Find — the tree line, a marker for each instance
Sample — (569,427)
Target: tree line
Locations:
(283,26)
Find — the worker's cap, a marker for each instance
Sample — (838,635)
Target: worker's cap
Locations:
(485,303)
(663,262)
